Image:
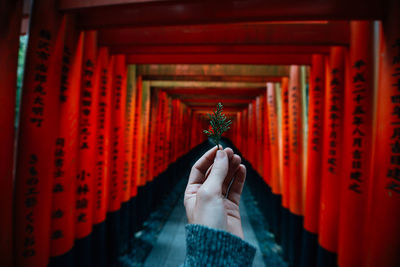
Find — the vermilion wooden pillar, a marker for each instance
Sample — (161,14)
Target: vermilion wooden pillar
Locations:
(273,138)
(136,136)
(357,145)
(66,147)
(314,160)
(130,127)
(275,197)
(295,163)
(37,138)
(84,201)
(383,231)
(139,135)
(87,138)
(331,173)
(117,158)
(146,99)
(101,173)
(101,177)
(9,40)
(259,139)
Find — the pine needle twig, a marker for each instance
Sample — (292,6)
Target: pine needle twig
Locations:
(218,125)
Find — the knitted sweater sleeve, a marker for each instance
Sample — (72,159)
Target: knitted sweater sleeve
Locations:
(211,247)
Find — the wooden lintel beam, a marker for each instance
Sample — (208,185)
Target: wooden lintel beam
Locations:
(289,34)
(215,101)
(220,49)
(112,13)
(255,79)
(264,59)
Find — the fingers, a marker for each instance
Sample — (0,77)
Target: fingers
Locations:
(218,173)
(234,164)
(237,185)
(199,169)
(229,152)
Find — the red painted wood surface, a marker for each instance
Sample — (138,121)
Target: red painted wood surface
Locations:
(327,33)
(285,143)
(295,142)
(87,138)
(314,143)
(192,12)
(130,149)
(273,138)
(37,137)
(101,177)
(9,39)
(332,151)
(383,223)
(218,49)
(117,155)
(264,59)
(62,233)
(357,145)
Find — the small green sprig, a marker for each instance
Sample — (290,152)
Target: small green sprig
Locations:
(218,125)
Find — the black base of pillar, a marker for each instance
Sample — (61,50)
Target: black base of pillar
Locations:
(113,236)
(276,220)
(285,237)
(65,260)
(309,249)
(124,227)
(295,238)
(326,258)
(99,244)
(83,251)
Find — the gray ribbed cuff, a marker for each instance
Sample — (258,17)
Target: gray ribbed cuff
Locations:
(211,247)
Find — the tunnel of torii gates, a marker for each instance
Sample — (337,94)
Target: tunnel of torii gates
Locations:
(115,94)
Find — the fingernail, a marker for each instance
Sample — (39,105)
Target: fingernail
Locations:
(220,154)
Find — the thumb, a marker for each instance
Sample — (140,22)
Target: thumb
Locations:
(218,172)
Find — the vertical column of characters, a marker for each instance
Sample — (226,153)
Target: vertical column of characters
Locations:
(66,144)
(144,172)
(168,114)
(331,173)
(314,143)
(285,144)
(130,128)
(254,133)
(383,231)
(193,121)
(87,139)
(117,148)
(153,124)
(9,43)
(121,68)
(250,133)
(37,136)
(295,141)
(139,138)
(267,142)
(245,132)
(357,149)
(161,132)
(101,174)
(273,138)
(238,141)
(136,142)
(259,119)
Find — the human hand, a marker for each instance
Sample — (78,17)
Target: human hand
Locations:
(205,196)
